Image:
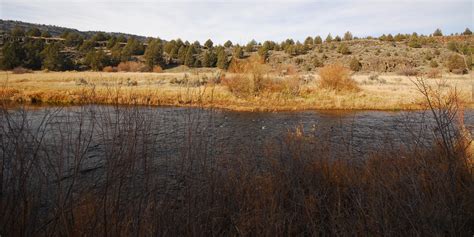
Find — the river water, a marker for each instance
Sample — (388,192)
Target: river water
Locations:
(171,131)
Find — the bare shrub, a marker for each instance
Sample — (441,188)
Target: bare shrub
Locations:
(408,71)
(456,64)
(21,70)
(251,78)
(109,69)
(434,73)
(337,77)
(157,69)
(131,66)
(239,85)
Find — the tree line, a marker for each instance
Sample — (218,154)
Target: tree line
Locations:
(75,52)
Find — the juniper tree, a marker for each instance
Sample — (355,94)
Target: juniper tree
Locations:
(250,46)
(189,60)
(238,52)
(467,32)
(33,32)
(309,41)
(318,40)
(221,59)
(33,50)
(154,54)
(438,32)
(96,60)
(228,44)
(13,55)
(205,59)
(182,53)
(348,36)
(328,38)
(208,44)
(45,34)
(52,58)
(17,32)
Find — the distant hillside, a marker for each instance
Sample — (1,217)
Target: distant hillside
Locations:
(7,25)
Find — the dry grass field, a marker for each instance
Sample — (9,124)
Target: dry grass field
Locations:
(202,87)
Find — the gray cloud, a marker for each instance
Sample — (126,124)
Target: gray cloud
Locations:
(244,20)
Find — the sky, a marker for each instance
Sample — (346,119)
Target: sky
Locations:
(244,20)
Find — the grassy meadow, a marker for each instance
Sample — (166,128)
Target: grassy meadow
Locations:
(203,87)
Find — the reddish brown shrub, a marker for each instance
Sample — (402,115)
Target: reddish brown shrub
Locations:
(109,69)
(131,67)
(157,69)
(337,77)
(434,73)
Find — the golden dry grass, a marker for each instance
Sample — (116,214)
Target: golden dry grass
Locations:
(389,92)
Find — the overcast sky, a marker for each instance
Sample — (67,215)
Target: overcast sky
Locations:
(244,20)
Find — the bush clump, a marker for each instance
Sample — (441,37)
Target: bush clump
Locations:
(434,73)
(344,49)
(21,70)
(456,64)
(355,65)
(157,69)
(131,66)
(337,77)
(408,71)
(109,69)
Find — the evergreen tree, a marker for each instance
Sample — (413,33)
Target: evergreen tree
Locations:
(33,50)
(250,46)
(208,44)
(238,52)
(390,38)
(399,37)
(17,32)
(263,51)
(182,54)
(438,32)
(34,32)
(133,47)
(328,38)
(205,59)
(309,41)
(348,36)
(179,43)
(467,32)
(228,44)
(189,60)
(99,37)
(73,40)
(318,40)
(13,55)
(52,58)
(97,60)
(169,46)
(355,65)
(154,54)
(343,49)
(45,34)
(197,44)
(337,38)
(222,59)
